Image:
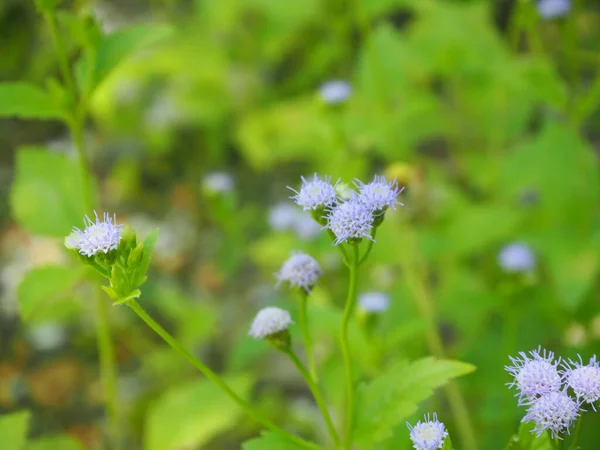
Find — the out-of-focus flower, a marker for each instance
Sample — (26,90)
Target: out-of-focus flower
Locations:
(379,194)
(428,435)
(218,182)
(315,193)
(584,380)
(283,216)
(575,335)
(100,236)
(305,227)
(344,191)
(270,321)
(300,270)
(350,220)
(550,9)
(374,302)
(554,411)
(163,113)
(48,336)
(335,91)
(516,257)
(534,375)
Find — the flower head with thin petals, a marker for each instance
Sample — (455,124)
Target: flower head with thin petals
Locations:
(379,194)
(554,411)
(315,193)
(584,380)
(100,236)
(350,220)
(336,91)
(534,375)
(269,321)
(428,435)
(374,302)
(516,257)
(300,270)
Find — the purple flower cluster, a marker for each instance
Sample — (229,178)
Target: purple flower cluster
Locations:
(544,384)
(352,215)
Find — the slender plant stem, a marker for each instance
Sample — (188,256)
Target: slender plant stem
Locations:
(212,376)
(306,336)
(553,441)
(107,366)
(348,310)
(316,392)
(61,52)
(577,433)
(340,246)
(455,399)
(369,246)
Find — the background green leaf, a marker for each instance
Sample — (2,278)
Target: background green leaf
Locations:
(270,441)
(27,101)
(13,430)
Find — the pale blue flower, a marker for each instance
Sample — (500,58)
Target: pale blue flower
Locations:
(584,380)
(100,236)
(374,302)
(315,193)
(269,321)
(300,270)
(554,411)
(534,375)
(549,9)
(516,257)
(350,220)
(283,216)
(305,227)
(428,435)
(379,194)
(336,91)
(218,182)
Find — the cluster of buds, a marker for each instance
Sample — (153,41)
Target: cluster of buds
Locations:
(350,214)
(113,251)
(554,391)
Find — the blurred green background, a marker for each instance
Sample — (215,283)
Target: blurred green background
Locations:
(485,111)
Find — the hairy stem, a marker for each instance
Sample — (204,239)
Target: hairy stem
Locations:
(577,433)
(316,392)
(348,310)
(216,379)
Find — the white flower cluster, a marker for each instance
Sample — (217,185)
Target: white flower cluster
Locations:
(545,383)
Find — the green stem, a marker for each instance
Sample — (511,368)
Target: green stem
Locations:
(553,441)
(314,388)
(456,401)
(348,309)
(306,335)
(369,246)
(107,366)
(340,246)
(212,376)
(577,433)
(61,53)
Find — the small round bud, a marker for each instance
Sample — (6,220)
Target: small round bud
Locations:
(272,325)
(335,91)
(516,257)
(428,435)
(300,270)
(374,302)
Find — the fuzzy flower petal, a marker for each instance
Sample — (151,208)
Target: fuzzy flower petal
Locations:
(379,194)
(300,270)
(550,9)
(100,236)
(334,92)
(269,321)
(584,380)
(374,302)
(516,257)
(315,193)
(350,220)
(534,375)
(428,435)
(555,411)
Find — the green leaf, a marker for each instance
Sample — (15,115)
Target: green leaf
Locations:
(113,49)
(189,416)
(27,101)
(13,430)
(270,441)
(448,444)
(526,440)
(389,399)
(55,443)
(43,287)
(47,195)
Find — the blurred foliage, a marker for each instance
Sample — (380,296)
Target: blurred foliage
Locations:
(493,130)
